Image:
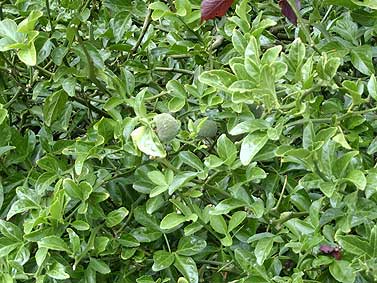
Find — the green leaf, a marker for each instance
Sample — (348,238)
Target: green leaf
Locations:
(226,150)
(69,86)
(226,205)
(372,87)
(53,243)
(158,190)
(86,189)
(239,42)
(99,266)
(162,260)
(10,231)
(191,159)
(72,189)
(218,224)
(7,246)
(3,115)
(249,126)
(366,3)
(58,271)
(8,29)
(251,145)
(180,180)
(299,227)
(28,24)
(358,178)
(116,216)
(54,106)
(80,225)
(127,240)
(373,242)
(153,204)
(189,246)
(354,245)
(271,54)
(340,139)
(183,7)
(157,178)
(361,58)
(121,24)
(187,267)
(28,54)
(308,136)
(219,79)
(74,241)
(236,219)
(342,271)
(1,195)
(252,50)
(147,142)
(263,249)
(172,220)
(327,188)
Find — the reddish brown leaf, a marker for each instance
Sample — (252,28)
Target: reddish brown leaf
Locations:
(214,8)
(326,249)
(333,251)
(287,10)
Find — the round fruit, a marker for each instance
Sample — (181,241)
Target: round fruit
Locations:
(166,127)
(208,129)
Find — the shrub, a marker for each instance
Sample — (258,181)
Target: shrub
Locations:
(283,191)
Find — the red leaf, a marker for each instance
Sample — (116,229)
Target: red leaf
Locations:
(333,251)
(326,249)
(214,8)
(287,10)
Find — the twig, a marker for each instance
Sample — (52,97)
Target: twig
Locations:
(13,99)
(281,194)
(49,15)
(88,247)
(174,70)
(140,199)
(43,70)
(328,120)
(309,38)
(91,107)
(287,216)
(92,75)
(147,22)
(303,121)
(1,12)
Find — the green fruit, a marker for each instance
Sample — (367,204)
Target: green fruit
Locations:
(182,280)
(208,129)
(166,127)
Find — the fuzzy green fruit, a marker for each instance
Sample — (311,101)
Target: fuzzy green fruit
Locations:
(166,127)
(208,129)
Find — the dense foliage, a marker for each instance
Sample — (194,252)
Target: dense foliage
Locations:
(262,168)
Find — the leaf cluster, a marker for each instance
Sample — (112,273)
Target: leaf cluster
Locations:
(265,170)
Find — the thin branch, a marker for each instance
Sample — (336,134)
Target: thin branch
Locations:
(91,107)
(147,22)
(13,99)
(92,75)
(281,194)
(174,70)
(49,15)
(43,70)
(287,216)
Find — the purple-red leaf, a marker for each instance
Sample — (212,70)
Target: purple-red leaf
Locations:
(287,10)
(326,249)
(335,252)
(214,8)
